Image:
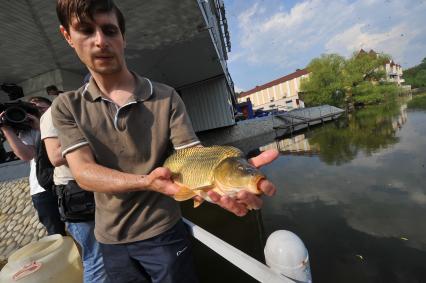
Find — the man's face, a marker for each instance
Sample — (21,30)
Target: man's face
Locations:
(99,43)
(41,106)
(52,92)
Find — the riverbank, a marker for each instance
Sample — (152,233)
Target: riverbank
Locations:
(418,101)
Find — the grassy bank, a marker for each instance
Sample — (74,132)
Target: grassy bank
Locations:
(418,102)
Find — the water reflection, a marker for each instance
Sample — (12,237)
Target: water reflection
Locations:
(367,130)
(297,145)
(352,189)
(358,189)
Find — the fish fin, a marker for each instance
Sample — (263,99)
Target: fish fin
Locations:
(184,193)
(197,202)
(205,188)
(176,176)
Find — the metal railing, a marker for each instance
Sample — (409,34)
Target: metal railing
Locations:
(282,267)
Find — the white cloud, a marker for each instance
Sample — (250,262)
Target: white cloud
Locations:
(293,37)
(393,41)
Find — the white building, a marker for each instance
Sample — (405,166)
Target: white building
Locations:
(281,94)
(392,69)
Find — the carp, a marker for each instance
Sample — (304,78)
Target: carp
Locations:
(223,169)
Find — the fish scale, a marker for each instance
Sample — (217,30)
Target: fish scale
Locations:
(221,169)
(201,160)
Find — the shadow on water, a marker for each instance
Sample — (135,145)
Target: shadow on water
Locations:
(246,233)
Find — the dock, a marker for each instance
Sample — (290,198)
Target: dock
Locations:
(253,133)
(301,118)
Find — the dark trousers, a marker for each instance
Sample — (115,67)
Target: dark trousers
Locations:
(166,258)
(46,205)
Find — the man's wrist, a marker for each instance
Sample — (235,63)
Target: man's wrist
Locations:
(143,182)
(6,129)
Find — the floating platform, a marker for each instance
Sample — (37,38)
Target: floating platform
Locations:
(299,119)
(253,133)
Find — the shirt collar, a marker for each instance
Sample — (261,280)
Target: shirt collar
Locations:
(143,89)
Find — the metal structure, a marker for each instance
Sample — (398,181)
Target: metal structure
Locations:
(301,118)
(180,43)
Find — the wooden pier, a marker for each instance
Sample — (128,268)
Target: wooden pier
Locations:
(301,118)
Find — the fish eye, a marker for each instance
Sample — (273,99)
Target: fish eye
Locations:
(240,167)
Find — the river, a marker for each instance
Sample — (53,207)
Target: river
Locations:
(353,190)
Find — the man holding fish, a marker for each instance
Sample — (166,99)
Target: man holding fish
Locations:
(116,133)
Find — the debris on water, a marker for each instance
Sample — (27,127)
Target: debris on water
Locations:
(360,257)
(404,239)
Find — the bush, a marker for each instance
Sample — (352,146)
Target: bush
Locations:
(418,102)
(367,93)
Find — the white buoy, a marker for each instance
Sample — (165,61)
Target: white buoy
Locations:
(286,254)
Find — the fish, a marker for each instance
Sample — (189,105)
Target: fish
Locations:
(222,169)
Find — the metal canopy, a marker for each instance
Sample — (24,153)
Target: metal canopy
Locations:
(167,41)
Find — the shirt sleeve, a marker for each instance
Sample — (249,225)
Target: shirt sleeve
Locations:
(46,125)
(64,121)
(182,134)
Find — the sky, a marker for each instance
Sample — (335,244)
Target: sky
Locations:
(273,38)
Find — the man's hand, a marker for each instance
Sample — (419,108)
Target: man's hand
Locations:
(4,127)
(34,121)
(159,180)
(245,200)
(22,151)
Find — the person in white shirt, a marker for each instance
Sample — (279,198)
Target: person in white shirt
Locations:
(24,144)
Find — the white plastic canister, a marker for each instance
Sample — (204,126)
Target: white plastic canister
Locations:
(50,260)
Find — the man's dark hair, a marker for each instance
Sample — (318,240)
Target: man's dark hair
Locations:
(84,10)
(40,99)
(14,91)
(51,88)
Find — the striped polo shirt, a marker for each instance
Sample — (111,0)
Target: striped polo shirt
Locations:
(134,138)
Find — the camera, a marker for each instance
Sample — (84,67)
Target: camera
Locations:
(16,114)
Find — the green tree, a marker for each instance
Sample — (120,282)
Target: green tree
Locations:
(363,67)
(416,76)
(324,84)
(335,80)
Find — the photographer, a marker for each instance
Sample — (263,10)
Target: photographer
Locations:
(24,144)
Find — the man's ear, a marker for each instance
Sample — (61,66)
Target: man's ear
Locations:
(66,35)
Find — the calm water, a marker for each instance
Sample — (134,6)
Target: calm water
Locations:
(354,192)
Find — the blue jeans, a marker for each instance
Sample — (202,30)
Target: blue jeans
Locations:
(93,264)
(46,204)
(166,258)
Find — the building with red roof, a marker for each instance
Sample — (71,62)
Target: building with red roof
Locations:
(281,94)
